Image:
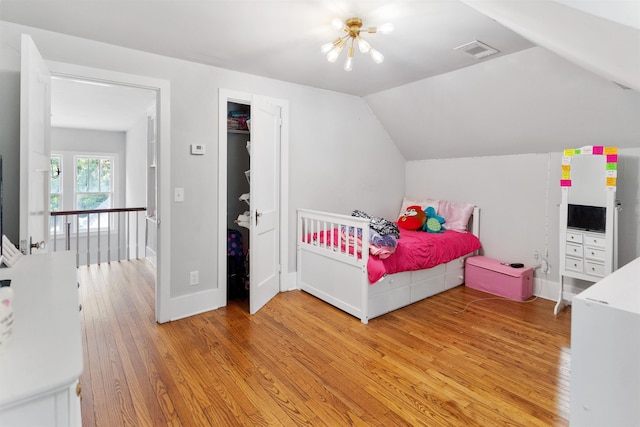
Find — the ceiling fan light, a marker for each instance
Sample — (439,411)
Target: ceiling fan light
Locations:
(385,28)
(333,55)
(377,57)
(337,23)
(363,45)
(327,47)
(348,65)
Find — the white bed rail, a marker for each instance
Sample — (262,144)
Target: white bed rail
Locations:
(324,238)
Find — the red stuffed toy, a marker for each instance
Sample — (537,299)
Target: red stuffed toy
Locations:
(413,218)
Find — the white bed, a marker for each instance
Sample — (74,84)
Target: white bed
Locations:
(339,276)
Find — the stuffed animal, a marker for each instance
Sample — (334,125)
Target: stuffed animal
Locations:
(433,224)
(413,218)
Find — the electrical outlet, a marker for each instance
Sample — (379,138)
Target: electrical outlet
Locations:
(194,278)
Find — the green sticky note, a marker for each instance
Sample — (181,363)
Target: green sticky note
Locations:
(612,166)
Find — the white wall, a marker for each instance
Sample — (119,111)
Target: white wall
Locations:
(136,179)
(532,101)
(519,198)
(328,132)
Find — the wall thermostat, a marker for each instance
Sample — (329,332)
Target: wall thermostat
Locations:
(197,149)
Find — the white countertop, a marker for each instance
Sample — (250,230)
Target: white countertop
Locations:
(620,289)
(45,350)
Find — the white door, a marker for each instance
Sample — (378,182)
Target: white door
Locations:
(35,148)
(264,244)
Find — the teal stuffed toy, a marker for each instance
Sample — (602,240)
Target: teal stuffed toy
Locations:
(433,224)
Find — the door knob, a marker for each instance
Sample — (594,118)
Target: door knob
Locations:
(258,214)
(37,245)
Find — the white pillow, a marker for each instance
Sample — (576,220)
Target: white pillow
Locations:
(456,215)
(424,204)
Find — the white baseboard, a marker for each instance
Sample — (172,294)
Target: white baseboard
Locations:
(545,289)
(289,281)
(192,304)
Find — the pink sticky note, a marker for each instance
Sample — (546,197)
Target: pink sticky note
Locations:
(565,183)
(612,158)
(598,149)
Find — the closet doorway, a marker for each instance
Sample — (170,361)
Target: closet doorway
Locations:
(252,210)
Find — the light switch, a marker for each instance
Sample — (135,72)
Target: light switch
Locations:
(197,149)
(178,195)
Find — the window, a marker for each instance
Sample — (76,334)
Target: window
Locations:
(93,188)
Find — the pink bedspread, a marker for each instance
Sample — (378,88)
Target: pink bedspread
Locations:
(418,250)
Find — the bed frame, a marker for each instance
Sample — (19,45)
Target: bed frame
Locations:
(340,277)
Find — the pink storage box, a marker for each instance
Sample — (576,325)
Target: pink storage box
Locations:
(488,275)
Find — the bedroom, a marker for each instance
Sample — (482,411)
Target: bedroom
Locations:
(531,105)
(523,105)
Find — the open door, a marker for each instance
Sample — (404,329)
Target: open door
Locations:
(35,148)
(264,239)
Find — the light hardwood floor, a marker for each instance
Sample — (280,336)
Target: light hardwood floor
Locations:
(299,361)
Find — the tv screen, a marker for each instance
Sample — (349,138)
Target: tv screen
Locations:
(588,218)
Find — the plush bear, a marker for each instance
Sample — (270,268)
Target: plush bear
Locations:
(433,223)
(413,218)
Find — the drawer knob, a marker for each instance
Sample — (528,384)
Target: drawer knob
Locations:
(79,390)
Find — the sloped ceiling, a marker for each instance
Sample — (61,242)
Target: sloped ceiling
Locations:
(550,86)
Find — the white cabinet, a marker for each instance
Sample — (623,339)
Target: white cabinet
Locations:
(588,218)
(605,351)
(41,364)
(586,253)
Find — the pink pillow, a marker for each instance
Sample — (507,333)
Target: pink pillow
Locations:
(456,215)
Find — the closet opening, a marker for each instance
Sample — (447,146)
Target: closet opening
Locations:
(238,200)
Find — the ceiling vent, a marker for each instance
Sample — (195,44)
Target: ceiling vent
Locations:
(477,49)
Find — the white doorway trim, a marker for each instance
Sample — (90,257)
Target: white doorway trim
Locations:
(162,88)
(225,96)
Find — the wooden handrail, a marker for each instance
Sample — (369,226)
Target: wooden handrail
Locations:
(93,211)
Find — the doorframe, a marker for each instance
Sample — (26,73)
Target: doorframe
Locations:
(225,96)
(163,161)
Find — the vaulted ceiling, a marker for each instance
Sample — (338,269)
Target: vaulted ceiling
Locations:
(281,40)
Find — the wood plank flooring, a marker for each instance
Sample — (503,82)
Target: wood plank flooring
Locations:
(299,361)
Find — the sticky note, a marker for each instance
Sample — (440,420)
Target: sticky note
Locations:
(612,166)
(611,182)
(566,168)
(566,174)
(598,149)
(566,160)
(569,152)
(565,183)
(612,174)
(586,150)
(612,158)
(610,150)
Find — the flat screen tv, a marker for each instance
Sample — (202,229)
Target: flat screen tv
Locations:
(588,218)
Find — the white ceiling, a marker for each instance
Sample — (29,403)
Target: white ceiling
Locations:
(80,104)
(278,39)
(281,39)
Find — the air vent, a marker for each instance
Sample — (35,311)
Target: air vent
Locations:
(477,49)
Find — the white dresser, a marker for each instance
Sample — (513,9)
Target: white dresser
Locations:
(605,351)
(41,365)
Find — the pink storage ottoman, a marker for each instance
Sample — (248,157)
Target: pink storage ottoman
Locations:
(488,275)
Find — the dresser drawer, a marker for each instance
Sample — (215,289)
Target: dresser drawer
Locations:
(574,250)
(595,240)
(594,268)
(594,253)
(573,264)
(574,237)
